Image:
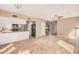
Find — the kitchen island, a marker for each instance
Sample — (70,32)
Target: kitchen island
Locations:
(8,37)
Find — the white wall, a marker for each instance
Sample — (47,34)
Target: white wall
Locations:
(29,28)
(40,29)
(43,28)
(66,27)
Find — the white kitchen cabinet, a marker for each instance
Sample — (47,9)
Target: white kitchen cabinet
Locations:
(13,37)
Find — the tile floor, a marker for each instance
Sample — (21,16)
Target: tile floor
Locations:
(41,45)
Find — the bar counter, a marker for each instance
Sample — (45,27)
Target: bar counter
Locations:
(8,37)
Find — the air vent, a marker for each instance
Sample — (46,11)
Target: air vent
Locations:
(29,18)
(14,16)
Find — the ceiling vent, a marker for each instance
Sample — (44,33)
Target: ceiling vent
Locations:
(14,16)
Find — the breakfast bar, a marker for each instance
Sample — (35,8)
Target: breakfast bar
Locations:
(9,37)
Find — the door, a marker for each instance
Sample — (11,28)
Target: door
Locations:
(51,27)
(33,30)
(54,27)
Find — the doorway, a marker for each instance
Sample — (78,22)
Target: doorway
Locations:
(51,27)
(32,28)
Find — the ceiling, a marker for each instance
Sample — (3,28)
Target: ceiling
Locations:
(44,11)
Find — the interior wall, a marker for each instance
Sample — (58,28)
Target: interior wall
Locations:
(43,29)
(29,28)
(66,28)
(40,29)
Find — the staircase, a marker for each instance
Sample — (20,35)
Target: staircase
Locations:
(8,49)
(66,46)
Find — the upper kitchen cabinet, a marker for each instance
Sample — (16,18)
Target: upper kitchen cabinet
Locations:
(9,20)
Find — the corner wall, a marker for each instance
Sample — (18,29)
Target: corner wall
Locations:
(40,28)
(65,28)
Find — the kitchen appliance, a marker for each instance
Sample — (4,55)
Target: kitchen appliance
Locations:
(15,27)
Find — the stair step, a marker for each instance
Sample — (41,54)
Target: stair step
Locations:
(66,46)
(5,48)
(24,52)
(10,50)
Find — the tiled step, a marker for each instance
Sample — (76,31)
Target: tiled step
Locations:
(24,52)
(7,49)
(10,50)
(66,46)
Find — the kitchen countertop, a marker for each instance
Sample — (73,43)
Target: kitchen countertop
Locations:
(9,37)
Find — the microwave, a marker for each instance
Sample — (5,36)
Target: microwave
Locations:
(15,27)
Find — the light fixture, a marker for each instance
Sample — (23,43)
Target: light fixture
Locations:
(19,5)
(60,17)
